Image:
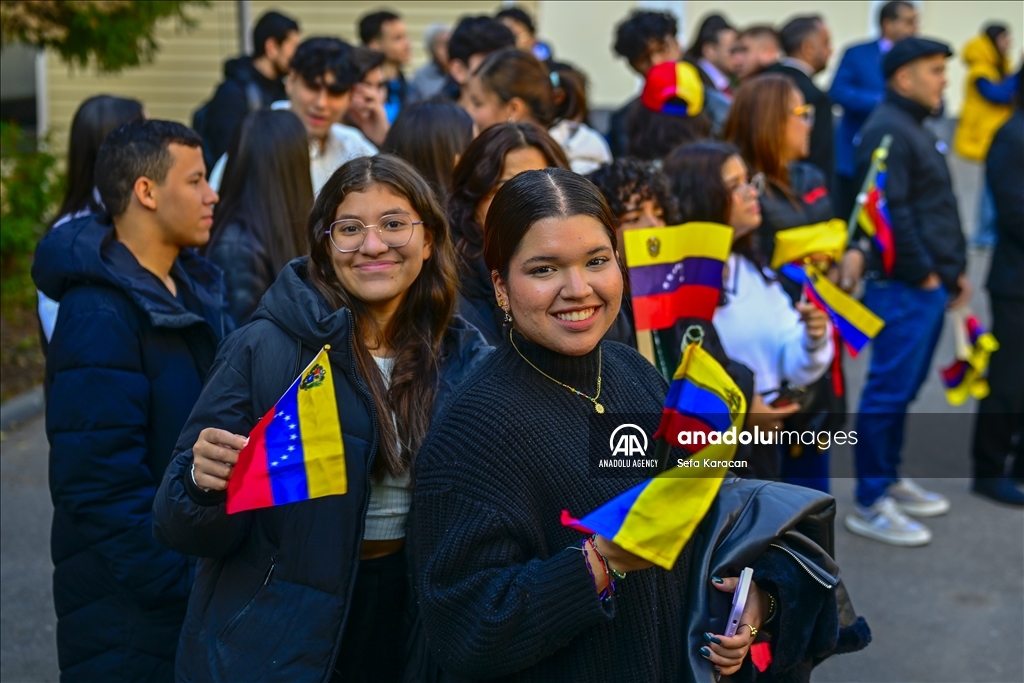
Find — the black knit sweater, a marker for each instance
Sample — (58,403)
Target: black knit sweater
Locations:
(505,592)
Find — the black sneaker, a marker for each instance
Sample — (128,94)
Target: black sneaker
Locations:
(999,489)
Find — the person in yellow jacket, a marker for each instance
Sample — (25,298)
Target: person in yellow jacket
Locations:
(988,93)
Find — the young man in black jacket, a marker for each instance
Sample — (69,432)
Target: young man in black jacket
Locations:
(928,276)
(250,83)
(140,318)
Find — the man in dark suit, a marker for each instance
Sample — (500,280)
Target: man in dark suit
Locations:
(859,86)
(808,46)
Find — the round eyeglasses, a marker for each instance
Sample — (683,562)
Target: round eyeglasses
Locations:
(347,235)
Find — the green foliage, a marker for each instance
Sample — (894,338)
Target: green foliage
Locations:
(115,33)
(30,190)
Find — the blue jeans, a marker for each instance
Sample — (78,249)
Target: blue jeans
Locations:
(901,356)
(809,467)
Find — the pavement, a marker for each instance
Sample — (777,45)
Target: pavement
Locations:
(950,612)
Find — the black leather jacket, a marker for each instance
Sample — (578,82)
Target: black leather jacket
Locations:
(786,534)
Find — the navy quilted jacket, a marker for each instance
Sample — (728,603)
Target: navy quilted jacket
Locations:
(124,368)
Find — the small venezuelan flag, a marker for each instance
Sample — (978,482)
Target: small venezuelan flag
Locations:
(875,222)
(796,244)
(676,272)
(965,376)
(655,519)
(856,324)
(295,452)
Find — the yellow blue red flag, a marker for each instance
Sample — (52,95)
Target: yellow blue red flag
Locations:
(655,519)
(295,452)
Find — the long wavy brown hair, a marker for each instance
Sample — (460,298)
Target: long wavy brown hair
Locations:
(416,332)
(757,125)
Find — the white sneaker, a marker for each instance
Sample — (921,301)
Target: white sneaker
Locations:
(914,500)
(885,522)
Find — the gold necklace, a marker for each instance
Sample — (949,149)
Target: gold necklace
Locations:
(593,399)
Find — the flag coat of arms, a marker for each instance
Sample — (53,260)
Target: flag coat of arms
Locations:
(656,518)
(295,452)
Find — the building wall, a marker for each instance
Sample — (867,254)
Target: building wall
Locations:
(583,33)
(189,64)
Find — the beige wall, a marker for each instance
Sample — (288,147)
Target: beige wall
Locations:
(190,63)
(583,32)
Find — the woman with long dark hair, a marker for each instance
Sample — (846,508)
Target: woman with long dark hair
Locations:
(784,344)
(499,154)
(379,287)
(506,590)
(95,118)
(259,223)
(431,136)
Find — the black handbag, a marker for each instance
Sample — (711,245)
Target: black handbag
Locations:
(747,518)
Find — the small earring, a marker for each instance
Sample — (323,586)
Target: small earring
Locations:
(508,317)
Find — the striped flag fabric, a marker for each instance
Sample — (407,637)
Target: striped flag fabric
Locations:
(676,272)
(827,238)
(854,321)
(874,220)
(965,376)
(655,519)
(295,452)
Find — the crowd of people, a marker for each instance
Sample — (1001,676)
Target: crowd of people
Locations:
(455,238)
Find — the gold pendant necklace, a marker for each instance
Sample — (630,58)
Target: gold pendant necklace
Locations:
(593,399)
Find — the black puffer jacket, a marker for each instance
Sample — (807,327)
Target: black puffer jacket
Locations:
(919,192)
(125,366)
(273,586)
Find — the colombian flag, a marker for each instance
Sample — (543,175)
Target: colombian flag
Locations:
(796,244)
(965,376)
(875,222)
(655,519)
(676,272)
(295,452)
(856,324)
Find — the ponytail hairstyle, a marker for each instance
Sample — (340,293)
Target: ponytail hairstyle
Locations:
(416,332)
(570,94)
(513,73)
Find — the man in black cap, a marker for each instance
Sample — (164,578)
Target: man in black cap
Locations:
(927,277)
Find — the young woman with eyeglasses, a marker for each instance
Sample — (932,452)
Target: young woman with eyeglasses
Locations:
(759,326)
(317,590)
(771,125)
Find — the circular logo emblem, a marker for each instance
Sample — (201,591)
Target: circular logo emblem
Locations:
(653,246)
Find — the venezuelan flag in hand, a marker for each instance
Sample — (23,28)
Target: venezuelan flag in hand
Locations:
(856,324)
(295,452)
(875,222)
(676,272)
(796,244)
(965,376)
(655,519)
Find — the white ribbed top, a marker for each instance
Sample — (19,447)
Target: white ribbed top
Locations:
(390,499)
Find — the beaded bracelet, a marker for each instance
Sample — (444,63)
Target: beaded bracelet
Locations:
(609,588)
(619,576)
